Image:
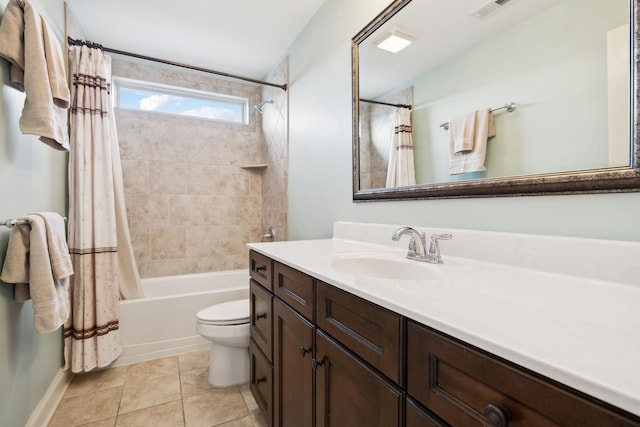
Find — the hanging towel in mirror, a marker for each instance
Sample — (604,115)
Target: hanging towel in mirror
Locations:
(473,160)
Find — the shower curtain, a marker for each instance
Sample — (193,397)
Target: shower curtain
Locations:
(401,169)
(96,209)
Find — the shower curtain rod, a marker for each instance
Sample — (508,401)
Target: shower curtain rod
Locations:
(73,42)
(386,103)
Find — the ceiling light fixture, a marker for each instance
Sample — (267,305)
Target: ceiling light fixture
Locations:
(395,40)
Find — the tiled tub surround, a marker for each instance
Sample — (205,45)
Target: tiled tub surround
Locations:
(566,308)
(191,207)
(275,153)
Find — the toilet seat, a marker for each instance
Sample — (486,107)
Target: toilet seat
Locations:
(228,313)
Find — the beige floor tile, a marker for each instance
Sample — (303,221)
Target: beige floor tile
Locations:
(97,380)
(165,415)
(152,368)
(249,400)
(242,422)
(109,422)
(195,381)
(142,394)
(258,419)
(87,408)
(193,360)
(214,407)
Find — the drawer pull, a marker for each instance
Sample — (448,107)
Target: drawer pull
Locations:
(316,363)
(304,350)
(497,415)
(261,316)
(261,380)
(261,268)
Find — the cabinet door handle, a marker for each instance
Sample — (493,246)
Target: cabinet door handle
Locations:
(261,316)
(261,268)
(304,350)
(316,363)
(497,415)
(261,380)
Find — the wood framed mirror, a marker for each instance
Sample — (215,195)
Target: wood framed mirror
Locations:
(561,75)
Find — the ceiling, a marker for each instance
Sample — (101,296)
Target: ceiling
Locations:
(242,37)
(443,29)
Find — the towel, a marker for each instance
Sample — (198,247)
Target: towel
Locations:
(472,160)
(462,130)
(37,67)
(38,262)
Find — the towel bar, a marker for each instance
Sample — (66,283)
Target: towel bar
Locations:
(13,222)
(510,107)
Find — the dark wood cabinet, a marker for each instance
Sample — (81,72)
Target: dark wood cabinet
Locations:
(417,416)
(260,325)
(339,360)
(373,333)
(261,269)
(349,393)
(295,288)
(261,381)
(466,386)
(293,368)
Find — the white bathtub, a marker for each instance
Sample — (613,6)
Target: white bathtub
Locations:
(164,322)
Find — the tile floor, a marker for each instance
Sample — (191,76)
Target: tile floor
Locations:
(171,391)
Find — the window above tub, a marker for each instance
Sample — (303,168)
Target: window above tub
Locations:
(179,101)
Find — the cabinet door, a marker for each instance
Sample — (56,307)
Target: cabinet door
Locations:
(349,393)
(417,416)
(293,371)
(261,381)
(261,317)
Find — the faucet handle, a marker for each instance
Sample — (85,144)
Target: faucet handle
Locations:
(436,237)
(434,248)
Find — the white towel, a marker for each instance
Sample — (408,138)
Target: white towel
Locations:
(473,160)
(462,130)
(37,67)
(38,255)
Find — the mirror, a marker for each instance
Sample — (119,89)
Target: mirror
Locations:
(558,75)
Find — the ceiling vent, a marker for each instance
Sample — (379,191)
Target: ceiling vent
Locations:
(489,8)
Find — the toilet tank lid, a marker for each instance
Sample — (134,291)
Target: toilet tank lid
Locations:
(232,310)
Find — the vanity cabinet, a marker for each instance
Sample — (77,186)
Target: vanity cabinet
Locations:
(340,360)
(466,386)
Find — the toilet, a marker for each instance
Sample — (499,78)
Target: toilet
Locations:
(226,325)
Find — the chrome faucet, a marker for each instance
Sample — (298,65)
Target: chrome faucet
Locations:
(417,245)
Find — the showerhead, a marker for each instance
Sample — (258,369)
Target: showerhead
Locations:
(260,107)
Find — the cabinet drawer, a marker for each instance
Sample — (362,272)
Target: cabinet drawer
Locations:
(370,331)
(261,381)
(295,288)
(461,384)
(261,269)
(261,325)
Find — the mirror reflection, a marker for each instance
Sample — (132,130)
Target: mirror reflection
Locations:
(487,91)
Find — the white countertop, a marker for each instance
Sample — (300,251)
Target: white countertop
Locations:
(582,332)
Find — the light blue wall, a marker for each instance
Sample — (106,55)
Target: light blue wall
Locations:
(32,178)
(320,184)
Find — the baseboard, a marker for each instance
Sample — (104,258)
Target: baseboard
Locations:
(49,402)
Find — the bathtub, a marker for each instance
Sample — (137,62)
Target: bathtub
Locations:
(163,323)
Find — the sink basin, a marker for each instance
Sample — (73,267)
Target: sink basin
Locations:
(384,266)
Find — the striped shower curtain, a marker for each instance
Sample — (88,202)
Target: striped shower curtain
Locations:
(92,336)
(401,169)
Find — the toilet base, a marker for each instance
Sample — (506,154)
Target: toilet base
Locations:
(228,366)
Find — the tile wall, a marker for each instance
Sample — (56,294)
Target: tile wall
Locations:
(191,206)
